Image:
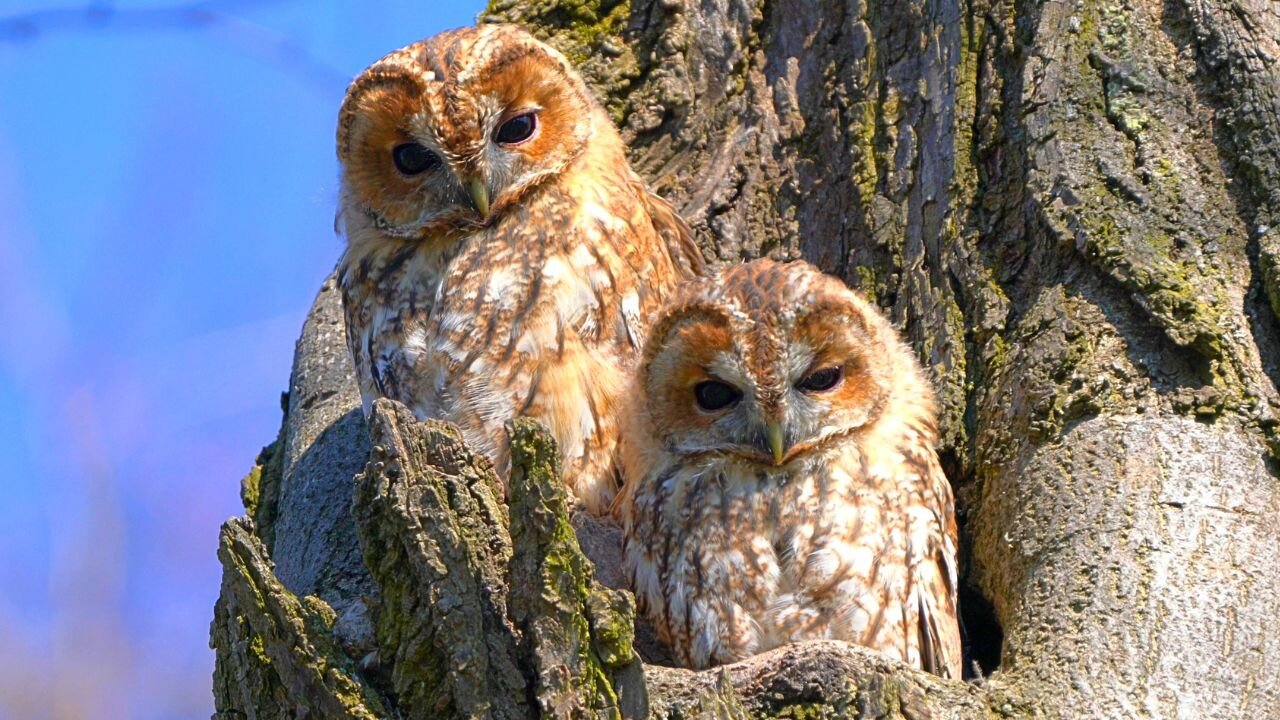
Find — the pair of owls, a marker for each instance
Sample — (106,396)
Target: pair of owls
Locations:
(773,435)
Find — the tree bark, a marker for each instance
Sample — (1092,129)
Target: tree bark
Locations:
(1071,209)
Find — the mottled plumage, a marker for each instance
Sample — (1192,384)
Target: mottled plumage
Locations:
(781,478)
(502,257)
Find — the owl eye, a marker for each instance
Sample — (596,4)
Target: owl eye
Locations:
(413,159)
(715,395)
(517,129)
(821,380)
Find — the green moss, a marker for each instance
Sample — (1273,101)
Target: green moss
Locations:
(260,488)
(1089,31)
(434,540)
(1271,432)
(250,489)
(1114,28)
(613,615)
(604,25)
(258,649)
(320,613)
(567,616)
(996,354)
(578,28)
(1147,267)
(867,280)
(1124,110)
(1068,362)
(965,179)
(274,650)
(862,134)
(252,485)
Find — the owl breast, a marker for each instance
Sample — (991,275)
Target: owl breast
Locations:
(733,559)
(539,315)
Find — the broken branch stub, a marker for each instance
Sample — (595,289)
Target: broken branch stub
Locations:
(476,621)
(276,655)
(578,634)
(434,538)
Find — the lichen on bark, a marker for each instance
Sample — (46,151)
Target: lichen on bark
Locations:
(276,656)
(433,534)
(260,489)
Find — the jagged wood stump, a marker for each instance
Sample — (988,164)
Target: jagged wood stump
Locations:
(485,612)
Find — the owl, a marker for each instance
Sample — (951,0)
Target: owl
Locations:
(502,258)
(781,478)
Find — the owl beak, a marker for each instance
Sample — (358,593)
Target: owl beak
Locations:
(480,196)
(773,433)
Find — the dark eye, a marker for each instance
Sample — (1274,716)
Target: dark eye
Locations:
(715,395)
(517,129)
(413,159)
(821,380)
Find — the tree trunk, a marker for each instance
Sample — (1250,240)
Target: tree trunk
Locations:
(1072,210)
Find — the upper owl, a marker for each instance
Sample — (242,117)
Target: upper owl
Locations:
(502,256)
(781,478)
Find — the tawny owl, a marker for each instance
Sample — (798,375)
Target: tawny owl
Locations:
(781,478)
(502,257)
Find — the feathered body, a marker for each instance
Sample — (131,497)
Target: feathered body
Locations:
(502,257)
(781,478)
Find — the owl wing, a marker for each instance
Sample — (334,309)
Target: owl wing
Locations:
(675,233)
(936,603)
(373,330)
(358,332)
(934,574)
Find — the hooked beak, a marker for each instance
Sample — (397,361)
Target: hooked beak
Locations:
(480,196)
(773,433)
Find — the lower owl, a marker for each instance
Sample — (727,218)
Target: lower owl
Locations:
(781,482)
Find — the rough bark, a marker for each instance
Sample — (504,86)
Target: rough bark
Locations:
(276,653)
(1072,210)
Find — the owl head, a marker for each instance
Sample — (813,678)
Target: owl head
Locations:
(768,362)
(447,133)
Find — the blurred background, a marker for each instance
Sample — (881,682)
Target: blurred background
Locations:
(167,192)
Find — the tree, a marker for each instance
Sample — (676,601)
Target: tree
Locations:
(1072,209)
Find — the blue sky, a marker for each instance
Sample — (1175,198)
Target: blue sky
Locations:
(167,187)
